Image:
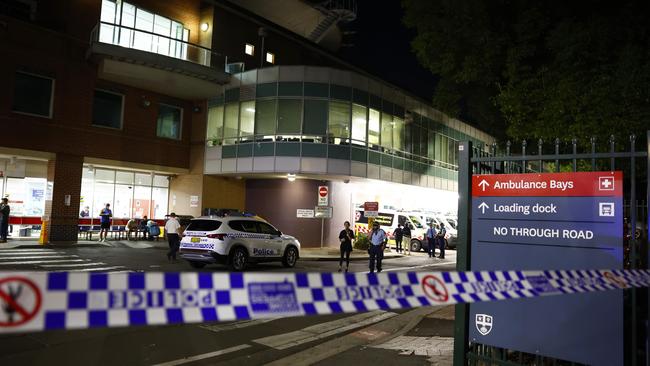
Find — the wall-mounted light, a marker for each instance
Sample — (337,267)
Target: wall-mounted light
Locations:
(145,103)
(205,26)
(291,177)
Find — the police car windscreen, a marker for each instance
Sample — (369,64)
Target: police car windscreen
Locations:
(204,225)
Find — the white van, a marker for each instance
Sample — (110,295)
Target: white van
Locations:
(388,220)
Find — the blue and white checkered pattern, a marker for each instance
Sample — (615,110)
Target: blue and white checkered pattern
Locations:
(89,300)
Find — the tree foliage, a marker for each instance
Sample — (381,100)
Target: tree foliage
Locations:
(538,68)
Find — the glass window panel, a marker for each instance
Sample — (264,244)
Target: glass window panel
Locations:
(159,201)
(161,181)
(128,20)
(339,121)
(373,127)
(105,176)
(231,123)
(163,27)
(387,130)
(143,21)
(107,109)
(177,46)
(87,183)
(359,124)
(186,37)
(103,195)
(15,192)
(108,11)
(124,177)
(315,117)
(143,179)
(32,94)
(169,122)
(121,207)
(215,126)
(423,141)
(247,119)
(141,203)
(289,116)
(398,134)
(265,117)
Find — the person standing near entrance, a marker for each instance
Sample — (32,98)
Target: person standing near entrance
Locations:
(5,210)
(346,236)
(376,250)
(406,238)
(172,228)
(398,234)
(431,240)
(105,221)
(441,240)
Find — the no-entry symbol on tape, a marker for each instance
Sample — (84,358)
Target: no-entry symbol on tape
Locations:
(435,289)
(20,301)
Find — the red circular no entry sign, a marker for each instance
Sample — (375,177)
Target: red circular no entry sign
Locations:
(322,191)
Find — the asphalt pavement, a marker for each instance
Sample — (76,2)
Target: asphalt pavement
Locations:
(302,340)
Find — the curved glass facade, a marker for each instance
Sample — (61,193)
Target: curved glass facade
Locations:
(268,112)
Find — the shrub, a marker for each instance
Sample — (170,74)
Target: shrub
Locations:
(362,242)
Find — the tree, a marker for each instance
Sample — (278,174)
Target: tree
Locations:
(538,68)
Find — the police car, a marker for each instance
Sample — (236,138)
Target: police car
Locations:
(236,241)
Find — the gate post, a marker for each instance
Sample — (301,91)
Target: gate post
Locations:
(463,248)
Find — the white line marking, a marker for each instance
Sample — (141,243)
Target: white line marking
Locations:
(74,265)
(204,356)
(43,254)
(236,325)
(100,269)
(415,267)
(39,257)
(323,330)
(39,262)
(26,251)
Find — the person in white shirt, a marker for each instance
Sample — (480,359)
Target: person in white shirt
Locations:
(172,228)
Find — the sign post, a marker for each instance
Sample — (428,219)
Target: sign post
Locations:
(551,221)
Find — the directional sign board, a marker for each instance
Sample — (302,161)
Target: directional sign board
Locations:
(550,221)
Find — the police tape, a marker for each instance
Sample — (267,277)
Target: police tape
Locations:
(36,301)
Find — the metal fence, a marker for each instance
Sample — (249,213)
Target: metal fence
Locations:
(561,156)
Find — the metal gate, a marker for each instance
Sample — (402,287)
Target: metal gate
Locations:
(564,156)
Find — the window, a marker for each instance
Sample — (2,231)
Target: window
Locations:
(249,49)
(215,126)
(204,225)
(231,123)
(339,122)
(247,119)
(33,94)
(270,57)
(373,127)
(107,109)
(265,116)
(315,117)
(387,125)
(267,229)
(169,122)
(169,37)
(359,123)
(245,226)
(289,116)
(398,134)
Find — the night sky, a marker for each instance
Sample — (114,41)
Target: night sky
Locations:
(381,45)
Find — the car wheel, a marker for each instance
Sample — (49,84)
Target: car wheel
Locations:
(238,259)
(290,257)
(195,264)
(415,245)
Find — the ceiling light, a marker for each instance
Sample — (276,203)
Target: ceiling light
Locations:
(204,27)
(291,177)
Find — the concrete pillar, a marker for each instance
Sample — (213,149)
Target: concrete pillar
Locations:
(62,208)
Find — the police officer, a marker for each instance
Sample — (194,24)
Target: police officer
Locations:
(377,244)
(398,235)
(431,240)
(441,240)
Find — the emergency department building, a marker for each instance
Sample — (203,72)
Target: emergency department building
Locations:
(179,106)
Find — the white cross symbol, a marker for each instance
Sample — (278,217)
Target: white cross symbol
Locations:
(607,183)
